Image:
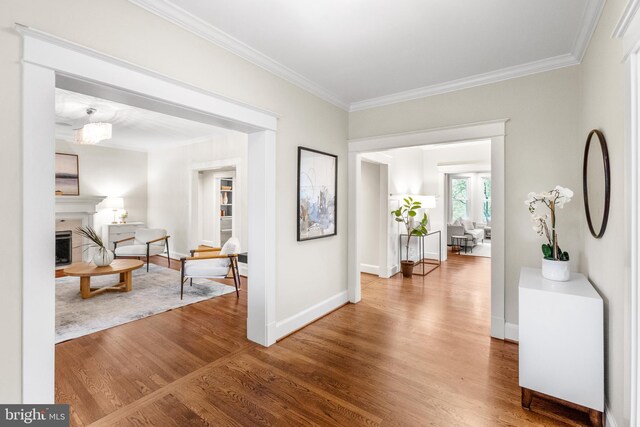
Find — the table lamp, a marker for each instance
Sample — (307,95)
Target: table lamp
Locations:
(114,203)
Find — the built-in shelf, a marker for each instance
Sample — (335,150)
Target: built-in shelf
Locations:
(226,195)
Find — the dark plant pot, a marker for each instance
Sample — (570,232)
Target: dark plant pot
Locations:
(407,268)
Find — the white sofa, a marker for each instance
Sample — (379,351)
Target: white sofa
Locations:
(472,231)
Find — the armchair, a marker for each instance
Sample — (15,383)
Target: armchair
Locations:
(211,263)
(146,242)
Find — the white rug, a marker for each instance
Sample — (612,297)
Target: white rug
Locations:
(481,249)
(153,292)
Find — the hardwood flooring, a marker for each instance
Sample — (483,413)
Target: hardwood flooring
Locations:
(413,352)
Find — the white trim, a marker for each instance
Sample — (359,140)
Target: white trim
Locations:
(243,268)
(511,331)
(589,23)
(200,28)
(496,76)
(457,134)
(590,19)
(628,29)
(626,18)
(194,208)
(186,20)
(303,318)
(370,269)
(497,326)
(45,58)
(63,56)
(494,130)
(610,421)
(38,225)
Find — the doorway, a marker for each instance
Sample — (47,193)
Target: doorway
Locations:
(50,62)
(493,131)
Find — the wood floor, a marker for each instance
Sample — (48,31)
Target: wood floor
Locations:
(413,352)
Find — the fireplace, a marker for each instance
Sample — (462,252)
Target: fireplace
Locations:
(64,250)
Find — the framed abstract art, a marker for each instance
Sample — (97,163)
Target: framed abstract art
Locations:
(317,194)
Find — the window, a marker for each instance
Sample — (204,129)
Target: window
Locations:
(486,192)
(459,198)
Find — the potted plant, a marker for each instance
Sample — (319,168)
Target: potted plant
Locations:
(555,261)
(103,256)
(406,214)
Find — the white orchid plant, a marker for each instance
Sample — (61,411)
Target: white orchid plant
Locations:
(553,200)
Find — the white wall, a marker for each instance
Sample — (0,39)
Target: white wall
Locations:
(169,187)
(541,150)
(606,261)
(111,172)
(139,37)
(369,238)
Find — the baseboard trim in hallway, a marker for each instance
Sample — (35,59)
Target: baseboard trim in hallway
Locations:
(300,320)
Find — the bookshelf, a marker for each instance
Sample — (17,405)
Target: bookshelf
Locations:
(226,209)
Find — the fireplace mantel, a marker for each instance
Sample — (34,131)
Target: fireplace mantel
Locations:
(78,204)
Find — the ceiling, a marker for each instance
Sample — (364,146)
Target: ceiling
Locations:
(365,53)
(133,128)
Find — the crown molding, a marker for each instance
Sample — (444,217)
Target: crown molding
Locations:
(469,82)
(172,13)
(627,16)
(589,23)
(176,15)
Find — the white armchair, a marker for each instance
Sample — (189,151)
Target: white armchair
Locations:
(146,242)
(212,263)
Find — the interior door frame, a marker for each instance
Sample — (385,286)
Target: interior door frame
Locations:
(628,29)
(491,130)
(195,208)
(45,60)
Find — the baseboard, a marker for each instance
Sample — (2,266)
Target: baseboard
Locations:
(431,255)
(370,269)
(497,327)
(297,321)
(511,331)
(243,268)
(174,255)
(393,270)
(609,420)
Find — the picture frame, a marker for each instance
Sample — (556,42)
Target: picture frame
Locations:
(67,175)
(317,197)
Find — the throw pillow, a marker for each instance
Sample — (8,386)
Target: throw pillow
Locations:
(468,225)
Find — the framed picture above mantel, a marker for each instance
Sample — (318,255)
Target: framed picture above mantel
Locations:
(67,176)
(317,194)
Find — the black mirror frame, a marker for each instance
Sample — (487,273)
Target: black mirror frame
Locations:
(607,183)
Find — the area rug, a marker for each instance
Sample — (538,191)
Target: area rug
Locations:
(154,292)
(481,249)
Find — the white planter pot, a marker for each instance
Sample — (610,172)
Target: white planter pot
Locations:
(559,271)
(103,257)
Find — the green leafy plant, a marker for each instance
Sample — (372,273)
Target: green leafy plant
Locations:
(90,234)
(406,214)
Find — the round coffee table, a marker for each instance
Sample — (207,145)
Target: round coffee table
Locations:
(86,270)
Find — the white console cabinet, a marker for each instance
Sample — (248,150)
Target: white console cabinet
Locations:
(114,232)
(561,342)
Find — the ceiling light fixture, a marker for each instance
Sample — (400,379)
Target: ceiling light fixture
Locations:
(92,132)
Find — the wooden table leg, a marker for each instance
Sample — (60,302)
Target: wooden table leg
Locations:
(85,287)
(127,280)
(527,396)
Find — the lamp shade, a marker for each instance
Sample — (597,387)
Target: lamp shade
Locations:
(428,202)
(113,203)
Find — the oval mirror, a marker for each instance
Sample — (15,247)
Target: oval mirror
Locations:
(596,183)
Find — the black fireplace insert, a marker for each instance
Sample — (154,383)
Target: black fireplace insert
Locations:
(63,248)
